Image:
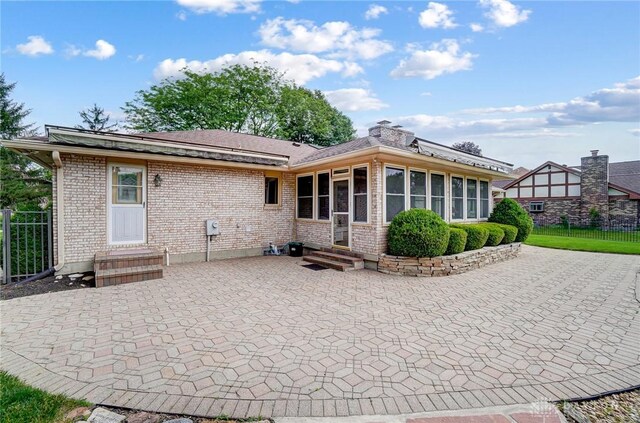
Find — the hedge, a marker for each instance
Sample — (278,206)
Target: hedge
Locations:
(457,241)
(418,233)
(496,234)
(509,212)
(477,235)
(510,232)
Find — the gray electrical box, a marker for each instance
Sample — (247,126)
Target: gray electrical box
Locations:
(213,227)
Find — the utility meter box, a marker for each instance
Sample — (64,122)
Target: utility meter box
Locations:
(213,227)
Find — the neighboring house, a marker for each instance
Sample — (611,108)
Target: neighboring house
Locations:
(552,190)
(118,192)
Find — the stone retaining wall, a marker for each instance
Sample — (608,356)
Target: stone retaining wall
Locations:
(447,265)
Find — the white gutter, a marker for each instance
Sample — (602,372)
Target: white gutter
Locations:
(55,155)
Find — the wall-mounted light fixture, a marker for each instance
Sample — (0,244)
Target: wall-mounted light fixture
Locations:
(157,180)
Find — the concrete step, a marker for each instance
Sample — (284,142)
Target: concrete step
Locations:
(118,259)
(330,263)
(109,277)
(338,257)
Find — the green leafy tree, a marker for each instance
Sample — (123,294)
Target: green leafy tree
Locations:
(95,119)
(250,99)
(23,183)
(469,147)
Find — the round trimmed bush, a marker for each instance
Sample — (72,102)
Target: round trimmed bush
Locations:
(418,233)
(496,234)
(476,236)
(510,232)
(508,211)
(457,241)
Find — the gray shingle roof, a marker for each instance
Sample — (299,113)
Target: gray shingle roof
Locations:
(351,146)
(626,175)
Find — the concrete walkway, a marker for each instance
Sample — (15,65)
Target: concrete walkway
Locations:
(266,336)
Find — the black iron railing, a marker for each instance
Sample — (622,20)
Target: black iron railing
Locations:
(611,229)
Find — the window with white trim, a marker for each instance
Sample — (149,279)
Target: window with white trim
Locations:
(305,197)
(418,189)
(536,206)
(472,199)
(395,190)
(271,186)
(484,199)
(438,194)
(323,196)
(457,197)
(360,203)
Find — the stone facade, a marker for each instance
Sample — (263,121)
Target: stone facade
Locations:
(594,184)
(624,209)
(447,265)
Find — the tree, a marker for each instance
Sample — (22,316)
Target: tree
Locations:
(250,99)
(469,147)
(23,183)
(95,119)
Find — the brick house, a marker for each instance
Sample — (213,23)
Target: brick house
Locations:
(126,192)
(552,190)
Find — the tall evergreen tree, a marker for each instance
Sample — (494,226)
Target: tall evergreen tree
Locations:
(95,119)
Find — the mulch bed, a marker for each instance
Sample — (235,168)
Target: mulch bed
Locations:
(617,408)
(43,286)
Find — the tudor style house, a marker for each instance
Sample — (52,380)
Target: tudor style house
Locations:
(117,195)
(552,190)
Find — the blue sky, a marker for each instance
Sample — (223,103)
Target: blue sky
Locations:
(527,81)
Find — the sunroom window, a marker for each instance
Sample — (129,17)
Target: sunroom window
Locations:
(394,181)
(360,207)
(305,197)
(323,196)
(418,189)
(457,198)
(472,199)
(484,199)
(437,194)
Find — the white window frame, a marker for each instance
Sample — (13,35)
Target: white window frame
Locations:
(384,188)
(466,193)
(313,195)
(444,198)
(426,188)
(464,197)
(360,166)
(316,195)
(540,203)
(489,199)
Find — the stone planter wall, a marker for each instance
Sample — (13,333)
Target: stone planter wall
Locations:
(447,265)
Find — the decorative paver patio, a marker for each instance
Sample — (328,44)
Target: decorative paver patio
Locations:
(266,336)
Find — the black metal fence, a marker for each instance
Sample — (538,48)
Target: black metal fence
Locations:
(611,229)
(26,243)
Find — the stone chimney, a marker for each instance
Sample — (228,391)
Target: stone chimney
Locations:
(594,184)
(394,133)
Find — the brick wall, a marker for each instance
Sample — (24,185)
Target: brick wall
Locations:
(176,210)
(620,208)
(594,187)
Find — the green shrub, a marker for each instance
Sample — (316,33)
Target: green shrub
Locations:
(508,211)
(477,235)
(496,234)
(457,241)
(510,232)
(418,233)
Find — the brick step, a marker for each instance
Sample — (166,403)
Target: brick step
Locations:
(355,261)
(109,277)
(327,262)
(119,259)
(342,252)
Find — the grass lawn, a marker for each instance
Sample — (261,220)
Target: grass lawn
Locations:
(21,403)
(584,244)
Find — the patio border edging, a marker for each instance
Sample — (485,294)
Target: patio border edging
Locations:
(447,265)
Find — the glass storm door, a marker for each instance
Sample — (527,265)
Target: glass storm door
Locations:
(127,213)
(341,213)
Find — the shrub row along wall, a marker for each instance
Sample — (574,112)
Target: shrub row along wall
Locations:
(447,265)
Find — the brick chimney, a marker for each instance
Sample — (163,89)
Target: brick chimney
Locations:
(594,184)
(394,133)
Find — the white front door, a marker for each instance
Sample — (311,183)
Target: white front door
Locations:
(341,226)
(127,204)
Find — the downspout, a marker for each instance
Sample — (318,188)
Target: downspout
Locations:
(60,209)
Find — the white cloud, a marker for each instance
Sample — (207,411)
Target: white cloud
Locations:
(300,68)
(504,13)
(354,100)
(635,132)
(425,94)
(181,15)
(35,46)
(338,39)
(374,11)
(476,27)
(103,50)
(136,58)
(437,15)
(442,58)
(221,7)
(72,51)
(617,104)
